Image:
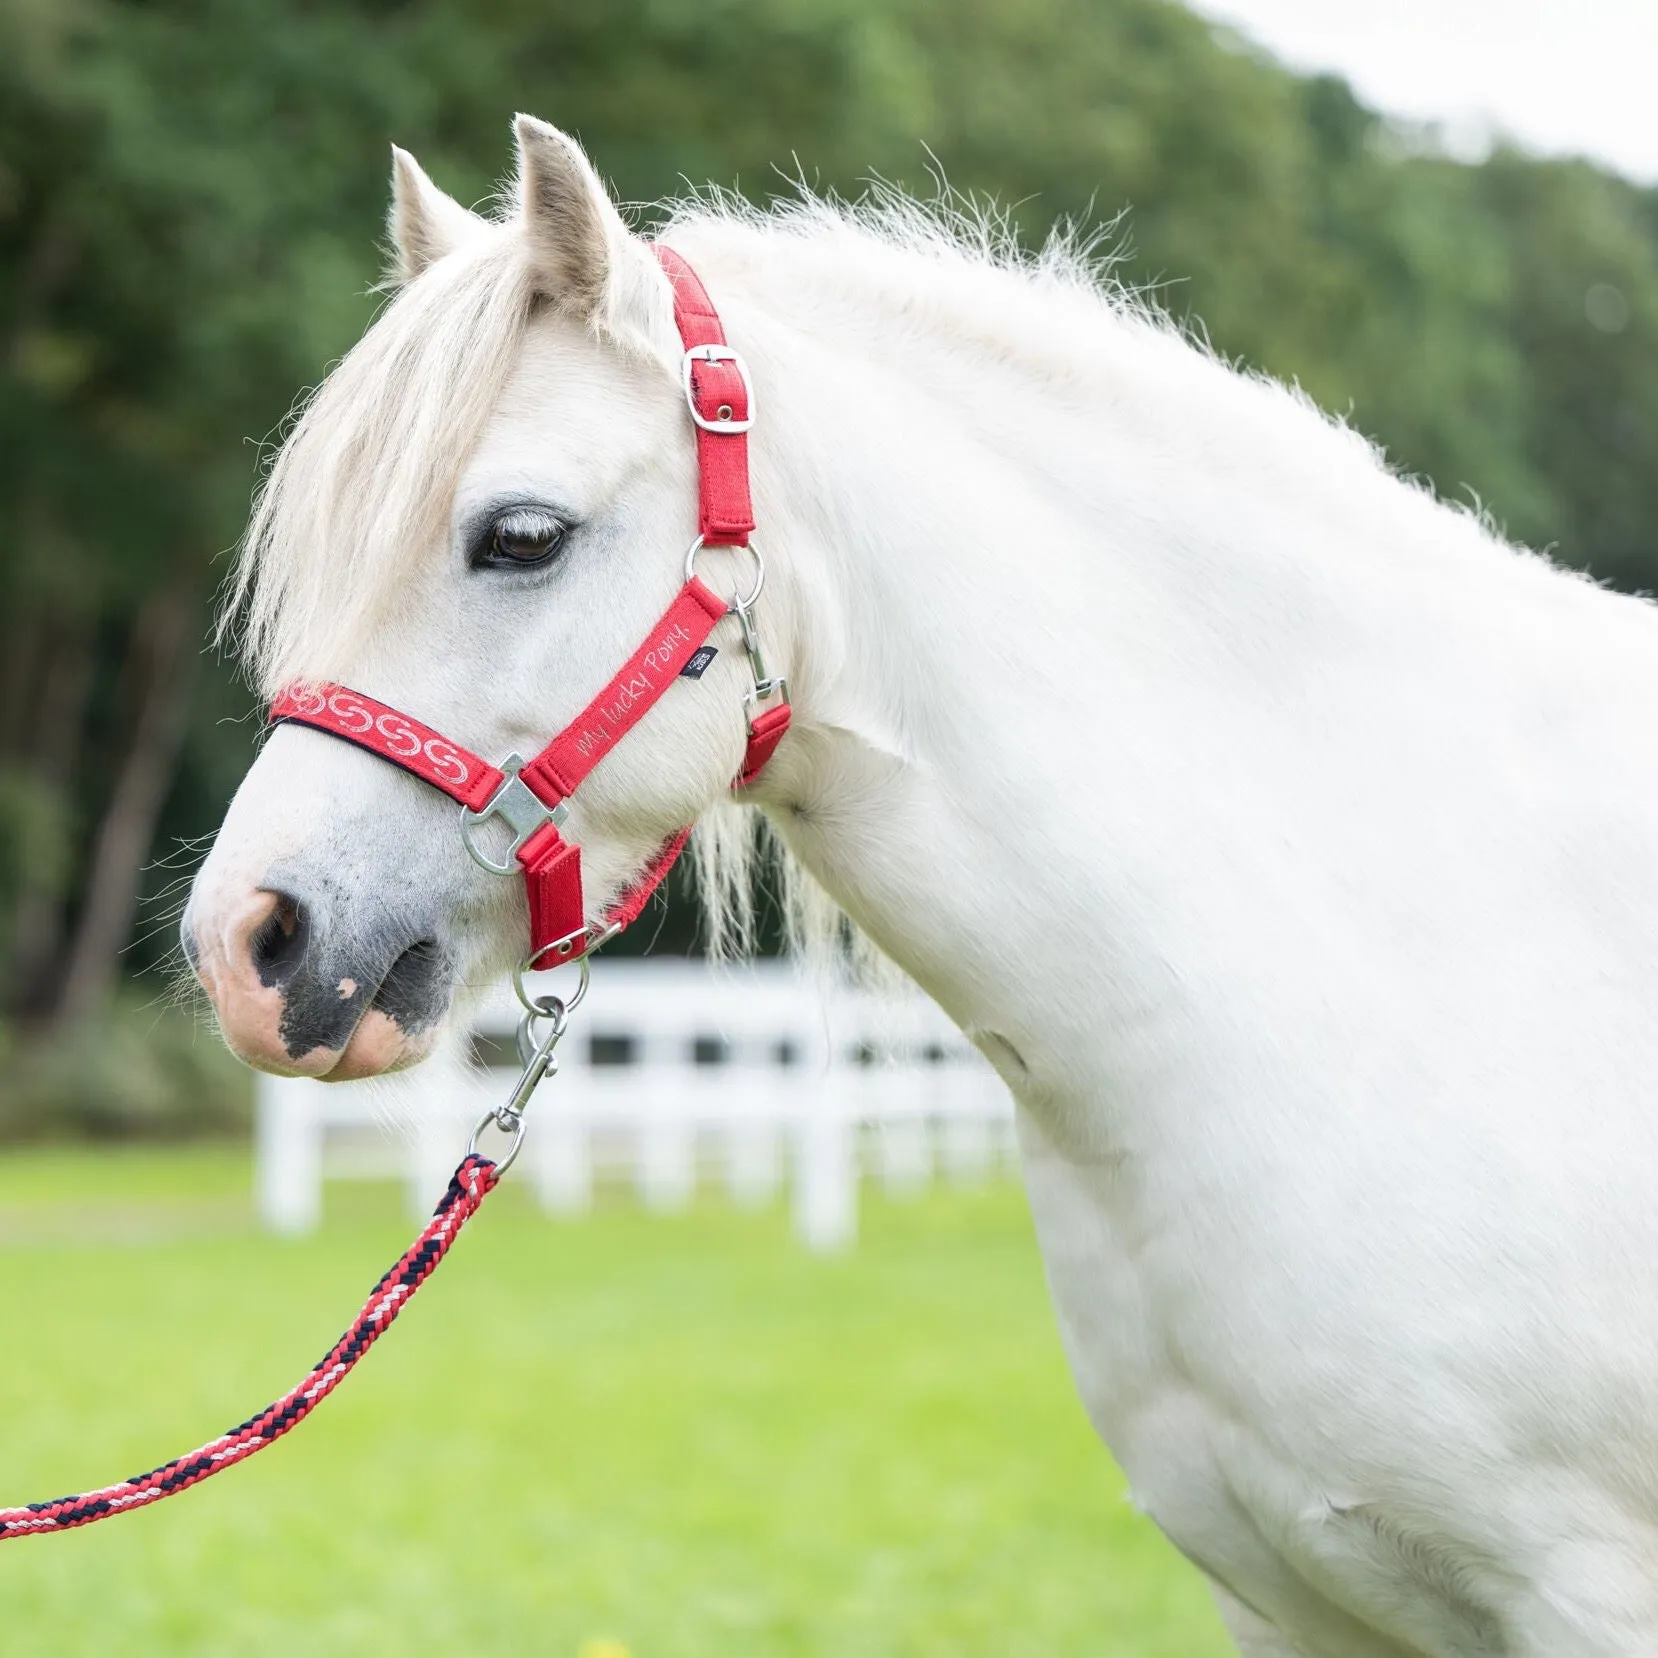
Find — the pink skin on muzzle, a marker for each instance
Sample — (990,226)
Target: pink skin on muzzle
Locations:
(250,1012)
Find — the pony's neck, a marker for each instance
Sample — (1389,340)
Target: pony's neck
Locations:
(1073,613)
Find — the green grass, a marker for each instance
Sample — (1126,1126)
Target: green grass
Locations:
(675,1438)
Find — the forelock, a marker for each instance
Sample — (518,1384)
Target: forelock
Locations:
(369,468)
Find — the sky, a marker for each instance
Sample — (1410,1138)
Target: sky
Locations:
(1560,77)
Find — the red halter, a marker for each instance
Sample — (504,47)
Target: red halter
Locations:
(530,797)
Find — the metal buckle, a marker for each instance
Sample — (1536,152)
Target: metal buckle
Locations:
(519,807)
(724,426)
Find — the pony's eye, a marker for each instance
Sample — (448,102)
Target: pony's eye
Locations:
(523,537)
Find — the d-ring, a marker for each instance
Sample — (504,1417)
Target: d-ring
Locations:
(514,1126)
(759,570)
(532,1004)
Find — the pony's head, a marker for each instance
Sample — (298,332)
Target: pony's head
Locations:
(478,517)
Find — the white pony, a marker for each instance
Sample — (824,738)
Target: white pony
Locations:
(1287,841)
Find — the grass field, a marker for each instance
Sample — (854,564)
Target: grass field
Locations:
(670,1438)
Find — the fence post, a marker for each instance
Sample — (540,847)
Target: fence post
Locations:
(437,1144)
(561,1165)
(664,1127)
(904,1153)
(826,1173)
(434,1106)
(753,1162)
(665,1174)
(287,1155)
(967,1152)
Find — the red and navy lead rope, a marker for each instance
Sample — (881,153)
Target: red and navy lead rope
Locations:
(471,1183)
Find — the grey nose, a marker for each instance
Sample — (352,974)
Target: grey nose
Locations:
(293,985)
(328,984)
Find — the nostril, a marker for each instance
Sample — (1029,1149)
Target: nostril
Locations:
(278,944)
(414,991)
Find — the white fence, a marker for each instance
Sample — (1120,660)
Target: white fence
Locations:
(670,1072)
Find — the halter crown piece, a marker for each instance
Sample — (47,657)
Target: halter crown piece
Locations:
(529,797)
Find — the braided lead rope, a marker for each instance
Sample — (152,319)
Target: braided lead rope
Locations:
(471,1183)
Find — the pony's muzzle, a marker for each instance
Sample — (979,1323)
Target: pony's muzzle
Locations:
(293,1002)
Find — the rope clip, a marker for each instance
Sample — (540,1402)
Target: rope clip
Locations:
(536,1055)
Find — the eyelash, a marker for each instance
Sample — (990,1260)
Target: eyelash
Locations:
(529,524)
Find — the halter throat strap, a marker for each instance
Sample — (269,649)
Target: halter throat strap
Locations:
(529,797)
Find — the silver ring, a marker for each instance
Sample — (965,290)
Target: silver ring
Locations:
(759,569)
(502,1164)
(533,1004)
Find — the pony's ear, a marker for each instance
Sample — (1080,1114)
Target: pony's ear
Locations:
(574,230)
(424,224)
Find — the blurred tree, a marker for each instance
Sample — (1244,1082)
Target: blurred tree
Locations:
(1582,312)
(191,193)
(173,270)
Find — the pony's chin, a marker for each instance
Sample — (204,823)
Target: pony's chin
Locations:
(377,1047)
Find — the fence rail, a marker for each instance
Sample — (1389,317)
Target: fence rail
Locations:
(672,1073)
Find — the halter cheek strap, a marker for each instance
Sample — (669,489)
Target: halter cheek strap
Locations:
(530,797)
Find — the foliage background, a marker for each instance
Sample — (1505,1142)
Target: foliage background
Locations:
(190,200)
